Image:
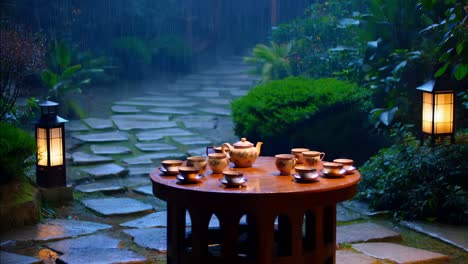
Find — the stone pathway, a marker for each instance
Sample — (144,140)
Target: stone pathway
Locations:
(115,217)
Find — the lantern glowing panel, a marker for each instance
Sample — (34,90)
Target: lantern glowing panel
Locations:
(437,116)
(52,153)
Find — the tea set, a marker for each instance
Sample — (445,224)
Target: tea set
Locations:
(308,165)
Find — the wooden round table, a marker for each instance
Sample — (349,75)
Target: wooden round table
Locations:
(306,214)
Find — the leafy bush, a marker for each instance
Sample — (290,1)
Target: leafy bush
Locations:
(16,149)
(326,114)
(271,63)
(418,181)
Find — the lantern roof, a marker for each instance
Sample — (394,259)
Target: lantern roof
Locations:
(436,85)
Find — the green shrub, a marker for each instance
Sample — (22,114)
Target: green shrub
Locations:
(418,181)
(16,151)
(326,114)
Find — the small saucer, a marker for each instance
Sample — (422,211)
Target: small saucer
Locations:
(340,174)
(313,178)
(184,180)
(233,184)
(166,172)
(350,170)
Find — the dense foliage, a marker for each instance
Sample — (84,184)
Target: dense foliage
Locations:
(324,113)
(418,181)
(22,53)
(17,149)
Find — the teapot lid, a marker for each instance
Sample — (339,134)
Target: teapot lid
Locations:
(243,144)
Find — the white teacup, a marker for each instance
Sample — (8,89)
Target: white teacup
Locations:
(332,168)
(232,176)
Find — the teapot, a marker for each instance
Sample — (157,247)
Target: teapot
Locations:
(242,153)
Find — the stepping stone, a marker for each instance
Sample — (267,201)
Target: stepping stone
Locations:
(219,101)
(127,124)
(109,150)
(134,181)
(81,158)
(91,241)
(54,229)
(100,255)
(98,123)
(106,170)
(161,133)
(7,257)
(140,171)
(167,110)
(456,235)
(364,232)
(344,214)
(125,109)
(190,141)
(136,103)
(147,190)
(360,207)
(154,146)
(198,121)
(116,206)
(216,110)
(141,117)
(75,126)
(148,158)
(160,98)
(204,94)
(102,137)
(239,93)
(399,253)
(158,219)
(152,238)
(350,257)
(100,187)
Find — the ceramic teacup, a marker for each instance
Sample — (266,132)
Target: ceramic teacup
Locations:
(218,162)
(198,162)
(305,172)
(188,173)
(298,153)
(313,158)
(285,163)
(232,176)
(332,168)
(214,148)
(171,167)
(347,163)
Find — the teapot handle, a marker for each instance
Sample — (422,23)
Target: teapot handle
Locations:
(225,150)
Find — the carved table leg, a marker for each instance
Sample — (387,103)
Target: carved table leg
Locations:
(175,233)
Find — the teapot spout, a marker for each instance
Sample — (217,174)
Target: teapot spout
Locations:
(258,147)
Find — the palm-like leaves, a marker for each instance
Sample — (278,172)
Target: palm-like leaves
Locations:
(271,61)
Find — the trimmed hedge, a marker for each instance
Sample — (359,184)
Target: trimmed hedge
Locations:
(324,114)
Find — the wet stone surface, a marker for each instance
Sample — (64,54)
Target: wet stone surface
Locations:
(140,170)
(128,124)
(153,238)
(123,109)
(99,241)
(152,158)
(154,146)
(141,117)
(109,150)
(82,158)
(160,133)
(363,232)
(98,123)
(158,219)
(75,125)
(106,255)
(174,111)
(105,170)
(399,253)
(349,257)
(54,229)
(116,206)
(102,137)
(103,186)
(216,110)
(191,141)
(7,257)
(147,190)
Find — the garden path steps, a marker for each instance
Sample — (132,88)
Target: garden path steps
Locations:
(114,215)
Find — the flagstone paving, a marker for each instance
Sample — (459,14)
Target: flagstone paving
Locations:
(6,257)
(125,222)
